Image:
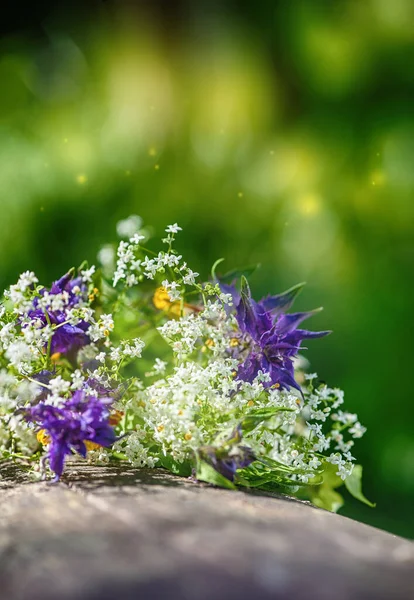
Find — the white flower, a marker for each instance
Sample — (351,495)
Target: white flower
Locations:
(335,459)
(348,456)
(190,277)
(26,280)
(173,289)
(316,429)
(311,376)
(336,436)
(159,366)
(77,314)
(127,265)
(77,380)
(19,354)
(116,354)
(131,348)
(226,299)
(87,274)
(136,239)
(8,334)
(173,228)
(322,444)
(314,463)
(263,377)
(319,415)
(128,227)
(345,417)
(345,470)
(150,267)
(106,322)
(168,260)
(58,385)
(357,430)
(106,256)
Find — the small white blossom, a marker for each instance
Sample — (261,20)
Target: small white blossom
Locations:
(357,430)
(136,239)
(106,256)
(173,289)
(173,228)
(344,417)
(159,366)
(190,277)
(58,385)
(77,380)
(128,227)
(87,274)
(20,355)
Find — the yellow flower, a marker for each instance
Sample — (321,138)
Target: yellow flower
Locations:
(91,445)
(43,437)
(115,418)
(162,301)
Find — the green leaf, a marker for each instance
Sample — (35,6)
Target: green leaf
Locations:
(324,494)
(181,469)
(327,498)
(330,478)
(245,289)
(206,472)
(265,479)
(255,417)
(353,484)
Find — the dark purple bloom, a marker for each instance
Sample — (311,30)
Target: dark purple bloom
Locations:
(229,457)
(82,419)
(270,337)
(67,338)
(74,286)
(238,457)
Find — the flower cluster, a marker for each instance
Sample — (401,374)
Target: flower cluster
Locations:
(139,360)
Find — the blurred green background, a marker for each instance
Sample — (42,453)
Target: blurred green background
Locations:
(273,132)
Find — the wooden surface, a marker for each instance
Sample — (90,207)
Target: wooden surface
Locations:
(116,532)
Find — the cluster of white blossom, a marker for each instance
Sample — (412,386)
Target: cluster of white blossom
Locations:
(210,330)
(186,395)
(179,412)
(134,264)
(20,294)
(127,349)
(15,434)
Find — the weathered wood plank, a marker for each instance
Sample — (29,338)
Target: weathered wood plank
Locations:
(117,532)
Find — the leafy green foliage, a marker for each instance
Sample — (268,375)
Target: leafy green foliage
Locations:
(205,472)
(260,415)
(353,484)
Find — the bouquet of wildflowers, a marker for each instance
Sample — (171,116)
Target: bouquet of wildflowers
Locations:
(137,360)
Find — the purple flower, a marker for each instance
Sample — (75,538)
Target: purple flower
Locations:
(270,337)
(229,457)
(67,338)
(237,457)
(81,420)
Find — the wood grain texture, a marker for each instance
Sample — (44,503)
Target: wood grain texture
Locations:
(114,532)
